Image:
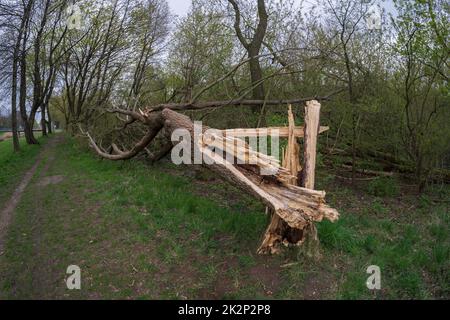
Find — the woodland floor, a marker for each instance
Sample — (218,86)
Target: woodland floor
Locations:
(160,232)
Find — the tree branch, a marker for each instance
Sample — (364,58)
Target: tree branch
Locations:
(237,24)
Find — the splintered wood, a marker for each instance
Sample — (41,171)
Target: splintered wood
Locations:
(296,206)
(239,152)
(312,119)
(282,132)
(291,155)
(278,232)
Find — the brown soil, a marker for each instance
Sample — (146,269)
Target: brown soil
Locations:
(50,180)
(7,135)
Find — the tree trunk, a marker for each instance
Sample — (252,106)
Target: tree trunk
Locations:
(30,126)
(296,206)
(256,75)
(421,181)
(258,92)
(43,121)
(278,231)
(16,144)
(27,122)
(253,48)
(49,122)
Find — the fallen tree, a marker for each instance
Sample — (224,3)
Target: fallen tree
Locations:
(297,207)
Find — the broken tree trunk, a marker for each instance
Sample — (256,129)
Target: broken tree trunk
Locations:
(279,232)
(297,207)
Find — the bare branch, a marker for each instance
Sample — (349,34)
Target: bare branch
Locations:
(236,102)
(237,24)
(125,155)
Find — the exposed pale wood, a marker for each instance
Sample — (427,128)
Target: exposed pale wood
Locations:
(312,124)
(312,119)
(295,214)
(243,154)
(273,237)
(292,161)
(279,232)
(282,132)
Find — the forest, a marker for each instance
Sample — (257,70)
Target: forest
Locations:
(117,76)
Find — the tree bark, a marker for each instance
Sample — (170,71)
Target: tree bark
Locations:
(19,58)
(28,122)
(16,144)
(43,121)
(49,117)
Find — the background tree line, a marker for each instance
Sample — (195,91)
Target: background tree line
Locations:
(388,88)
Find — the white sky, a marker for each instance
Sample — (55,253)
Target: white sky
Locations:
(181,7)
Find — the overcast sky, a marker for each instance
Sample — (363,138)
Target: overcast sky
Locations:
(181,7)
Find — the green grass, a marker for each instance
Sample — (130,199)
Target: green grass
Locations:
(147,232)
(411,250)
(13,165)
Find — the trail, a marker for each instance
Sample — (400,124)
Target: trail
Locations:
(7,213)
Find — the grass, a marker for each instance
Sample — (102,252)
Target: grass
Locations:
(13,165)
(147,232)
(409,241)
(383,187)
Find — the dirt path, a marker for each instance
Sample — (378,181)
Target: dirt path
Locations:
(7,212)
